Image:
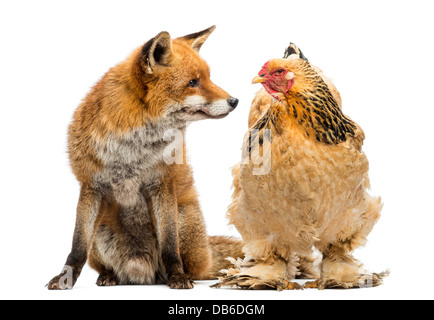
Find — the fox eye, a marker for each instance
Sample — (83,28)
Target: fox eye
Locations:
(193,83)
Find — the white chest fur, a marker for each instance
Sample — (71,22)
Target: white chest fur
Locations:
(135,159)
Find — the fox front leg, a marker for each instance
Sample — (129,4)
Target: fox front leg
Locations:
(87,211)
(165,208)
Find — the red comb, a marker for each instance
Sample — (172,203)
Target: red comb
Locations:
(264,68)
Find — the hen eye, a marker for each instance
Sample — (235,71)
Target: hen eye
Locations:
(193,83)
(280,71)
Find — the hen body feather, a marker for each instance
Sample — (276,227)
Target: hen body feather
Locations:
(316,192)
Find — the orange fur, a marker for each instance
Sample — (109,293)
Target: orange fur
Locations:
(138,218)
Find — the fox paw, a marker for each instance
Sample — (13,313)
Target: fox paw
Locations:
(107,279)
(60,283)
(55,284)
(64,281)
(180,281)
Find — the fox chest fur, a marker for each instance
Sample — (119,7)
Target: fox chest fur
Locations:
(136,159)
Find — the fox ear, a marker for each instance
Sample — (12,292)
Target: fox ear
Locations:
(196,40)
(293,49)
(157,52)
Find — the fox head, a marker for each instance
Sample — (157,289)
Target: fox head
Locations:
(177,80)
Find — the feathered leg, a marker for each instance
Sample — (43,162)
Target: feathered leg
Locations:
(261,274)
(339,269)
(308,267)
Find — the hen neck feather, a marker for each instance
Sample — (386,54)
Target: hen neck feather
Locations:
(314,108)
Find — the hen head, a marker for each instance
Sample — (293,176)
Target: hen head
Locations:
(281,77)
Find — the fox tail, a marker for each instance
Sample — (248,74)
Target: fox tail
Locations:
(223,248)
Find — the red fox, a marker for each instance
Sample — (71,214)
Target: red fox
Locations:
(138,217)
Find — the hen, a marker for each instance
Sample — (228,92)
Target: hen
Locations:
(303,184)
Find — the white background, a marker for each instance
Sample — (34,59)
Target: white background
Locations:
(378,53)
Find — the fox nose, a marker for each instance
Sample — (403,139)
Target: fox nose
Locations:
(233,102)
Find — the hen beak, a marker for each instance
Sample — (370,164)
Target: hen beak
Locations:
(257,79)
